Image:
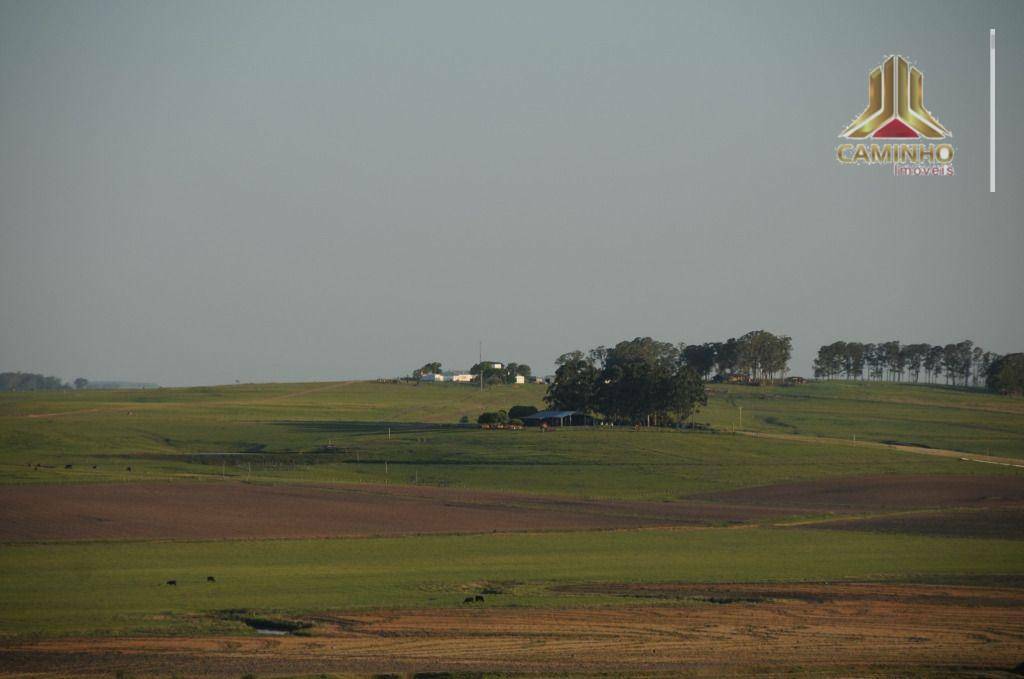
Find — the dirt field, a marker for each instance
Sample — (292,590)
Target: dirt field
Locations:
(993,522)
(882,492)
(239,510)
(862,630)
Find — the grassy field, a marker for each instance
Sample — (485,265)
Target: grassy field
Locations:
(925,415)
(584,462)
(117,588)
(400,433)
(290,417)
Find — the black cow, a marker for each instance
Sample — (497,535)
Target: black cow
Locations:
(128,469)
(468,600)
(478,598)
(172,583)
(210,578)
(68,466)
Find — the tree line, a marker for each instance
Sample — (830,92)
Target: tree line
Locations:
(636,381)
(757,355)
(960,363)
(19,381)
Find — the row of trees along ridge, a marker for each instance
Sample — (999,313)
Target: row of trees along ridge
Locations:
(961,363)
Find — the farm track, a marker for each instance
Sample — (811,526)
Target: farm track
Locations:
(703,630)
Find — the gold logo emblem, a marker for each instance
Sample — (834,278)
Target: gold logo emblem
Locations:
(895,106)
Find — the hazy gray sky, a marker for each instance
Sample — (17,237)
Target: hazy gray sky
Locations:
(202,192)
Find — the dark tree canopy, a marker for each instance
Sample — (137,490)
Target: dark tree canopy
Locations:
(758,355)
(17,381)
(519,412)
(639,380)
(962,363)
(432,368)
(1006,374)
(575,383)
(496,417)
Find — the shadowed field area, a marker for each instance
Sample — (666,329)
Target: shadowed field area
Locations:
(848,629)
(204,511)
(992,522)
(882,492)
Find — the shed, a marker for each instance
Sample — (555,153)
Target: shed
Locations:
(558,418)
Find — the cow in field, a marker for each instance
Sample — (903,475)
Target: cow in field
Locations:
(210,578)
(172,583)
(468,600)
(478,598)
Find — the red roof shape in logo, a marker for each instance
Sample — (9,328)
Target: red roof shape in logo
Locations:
(895,129)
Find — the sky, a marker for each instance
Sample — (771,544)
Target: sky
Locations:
(205,192)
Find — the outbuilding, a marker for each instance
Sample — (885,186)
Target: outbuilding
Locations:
(558,418)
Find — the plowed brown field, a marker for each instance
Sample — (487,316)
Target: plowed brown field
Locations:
(239,510)
(882,492)
(991,522)
(859,630)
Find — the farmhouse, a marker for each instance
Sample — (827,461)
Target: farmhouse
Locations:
(520,379)
(558,418)
(462,377)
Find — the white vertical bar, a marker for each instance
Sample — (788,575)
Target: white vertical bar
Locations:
(992,110)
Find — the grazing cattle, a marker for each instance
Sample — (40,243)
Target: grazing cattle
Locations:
(68,466)
(210,578)
(468,600)
(128,469)
(94,466)
(172,583)
(478,598)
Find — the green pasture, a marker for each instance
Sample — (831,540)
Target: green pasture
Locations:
(408,434)
(926,415)
(117,588)
(579,462)
(303,417)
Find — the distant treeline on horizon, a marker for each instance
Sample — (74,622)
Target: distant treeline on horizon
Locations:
(960,363)
(19,381)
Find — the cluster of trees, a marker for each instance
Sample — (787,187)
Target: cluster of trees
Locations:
(961,363)
(515,415)
(503,375)
(1006,374)
(18,381)
(758,355)
(639,381)
(432,368)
